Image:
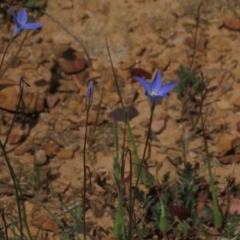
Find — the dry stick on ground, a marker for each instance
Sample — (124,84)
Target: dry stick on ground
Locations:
(73,36)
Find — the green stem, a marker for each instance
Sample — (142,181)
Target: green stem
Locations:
(16,183)
(140,168)
(16,187)
(130,197)
(134,147)
(130,135)
(3,146)
(216,210)
(84,174)
(146,144)
(15,56)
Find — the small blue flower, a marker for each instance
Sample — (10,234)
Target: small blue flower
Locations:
(20,21)
(155,90)
(90,90)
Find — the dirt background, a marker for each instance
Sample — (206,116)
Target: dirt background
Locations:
(46,144)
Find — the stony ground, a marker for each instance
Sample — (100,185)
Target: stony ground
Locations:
(46,144)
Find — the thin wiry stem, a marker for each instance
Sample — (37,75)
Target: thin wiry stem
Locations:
(4,223)
(73,36)
(4,54)
(21,84)
(134,147)
(16,187)
(15,56)
(13,175)
(18,192)
(21,45)
(141,166)
(123,151)
(97,117)
(188,94)
(195,36)
(84,174)
(130,196)
(216,211)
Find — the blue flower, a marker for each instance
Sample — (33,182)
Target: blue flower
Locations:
(90,90)
(155,90)
(20,21)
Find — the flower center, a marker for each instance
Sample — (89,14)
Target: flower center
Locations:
(153,94)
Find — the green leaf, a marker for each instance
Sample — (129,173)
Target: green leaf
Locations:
(163,219)
(118,228)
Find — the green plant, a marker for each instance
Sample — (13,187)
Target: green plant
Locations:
(192,92)
(231,227)
(20,25)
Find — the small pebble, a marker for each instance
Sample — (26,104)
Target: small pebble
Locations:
(158,125)
(40,157)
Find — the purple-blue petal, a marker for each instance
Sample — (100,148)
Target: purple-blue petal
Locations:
(22,17)
(13,14)
(90,91)
(153,99)
(146,85)
(32,26)
(17,30)
(166,88)
(157,82)
(164,95)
